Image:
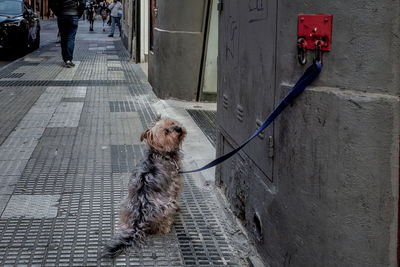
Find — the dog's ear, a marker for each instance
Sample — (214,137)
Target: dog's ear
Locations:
(158,117)
(144,135)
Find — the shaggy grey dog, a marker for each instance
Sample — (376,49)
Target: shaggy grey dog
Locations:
(154,188)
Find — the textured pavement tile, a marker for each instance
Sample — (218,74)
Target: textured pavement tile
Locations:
(4,198)
(78,91)
(15,153)
(12,167)
(7,184)
(67,114)
(27,132)
(66,195)
(68,73)
(31,206)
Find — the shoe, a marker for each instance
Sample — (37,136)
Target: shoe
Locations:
(69,64)
(66,65)
(111,35)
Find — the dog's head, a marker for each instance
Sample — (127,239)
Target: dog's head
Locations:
(165,135)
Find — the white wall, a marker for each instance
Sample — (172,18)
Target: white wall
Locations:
(144,30)
(210,70)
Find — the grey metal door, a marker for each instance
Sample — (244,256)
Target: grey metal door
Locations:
(246,86)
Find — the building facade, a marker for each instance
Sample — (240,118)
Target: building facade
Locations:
(319,187)
(179,40)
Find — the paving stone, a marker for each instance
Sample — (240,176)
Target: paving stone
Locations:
(20,131)
(44,83)
(122,106)
(77,91)
(14,103)
(80,163)
(67,73)
(15,153)
(125,157)
(67,114)
(7,184)
(12,167)
(31,206)
(126,128)
(4,198)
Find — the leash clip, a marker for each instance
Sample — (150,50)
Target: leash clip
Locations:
(318,50)
(302,50)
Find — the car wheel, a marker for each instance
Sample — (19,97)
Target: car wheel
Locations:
(23,49)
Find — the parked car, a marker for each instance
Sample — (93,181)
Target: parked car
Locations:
(19,26)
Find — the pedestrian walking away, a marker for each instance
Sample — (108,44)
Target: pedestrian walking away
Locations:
(91,15)
(116,8)
(103,13)
(68,13)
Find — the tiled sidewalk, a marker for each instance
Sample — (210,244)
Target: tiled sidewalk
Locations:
(68,139)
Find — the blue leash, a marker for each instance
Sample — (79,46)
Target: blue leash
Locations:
(305,80)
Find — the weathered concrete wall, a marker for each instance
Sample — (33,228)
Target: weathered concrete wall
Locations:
(144,30)
(332,199)
(127,25)
(210,65)
(174,63)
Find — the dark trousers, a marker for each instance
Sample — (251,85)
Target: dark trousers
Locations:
(115,20)
(68,26)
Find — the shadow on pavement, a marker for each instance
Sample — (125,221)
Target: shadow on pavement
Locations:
(7,56)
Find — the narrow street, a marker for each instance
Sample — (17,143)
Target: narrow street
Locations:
(69,138)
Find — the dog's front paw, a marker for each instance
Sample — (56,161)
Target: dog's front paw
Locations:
(178,207)
(175,205)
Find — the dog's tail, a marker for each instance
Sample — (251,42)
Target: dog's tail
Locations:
(139,211)
(121,241)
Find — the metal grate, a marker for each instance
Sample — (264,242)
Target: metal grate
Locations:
(206,120)
(201,239)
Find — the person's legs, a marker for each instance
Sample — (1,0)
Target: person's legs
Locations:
(63,30)
(72,29)
(112,26)
(118,21)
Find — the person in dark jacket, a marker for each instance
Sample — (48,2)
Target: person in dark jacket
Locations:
(68,13)
(91,14)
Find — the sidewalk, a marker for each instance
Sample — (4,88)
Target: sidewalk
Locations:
(68,139)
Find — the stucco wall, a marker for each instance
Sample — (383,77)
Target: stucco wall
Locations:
(174,63)
(332,199)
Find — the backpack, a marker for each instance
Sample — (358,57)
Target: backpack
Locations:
(104,14)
